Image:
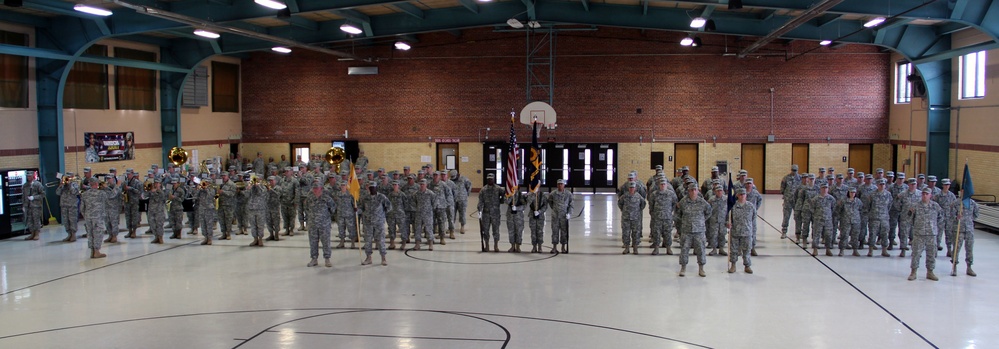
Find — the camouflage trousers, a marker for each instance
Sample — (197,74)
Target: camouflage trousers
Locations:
(904,233)
(822,230)
(243,218)
(515,227)
(346,225)
(788,212)
(288,213)
(450,217)
(631,232)
(459,211)
(257,221)
(849,234)
(206,222)
(177,221)
(374,232)
(967,239)
(274,219)
(537,224)
(319,233)
(924,243)
(440,221)
(33,218)
(661,229)
(132,217)
(397,226)
(560,230)
(424,225)
(225,219)
(715,234)
(741,246)
(892,226)
(112,221)
(490,223)
(695,240)
(157,218)
(95,233)
(70,218)
(948,229)
(877,230)
(802,223)
(301,210)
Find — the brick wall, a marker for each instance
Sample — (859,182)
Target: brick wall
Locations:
(19,161)
(453,87)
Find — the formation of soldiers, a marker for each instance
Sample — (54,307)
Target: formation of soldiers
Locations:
(873,210)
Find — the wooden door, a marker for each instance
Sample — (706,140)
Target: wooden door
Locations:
(685,154)
(799,156)
(753,162)
(860,157)
(918,163)
(447,156)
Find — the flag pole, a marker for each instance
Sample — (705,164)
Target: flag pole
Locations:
(957,236)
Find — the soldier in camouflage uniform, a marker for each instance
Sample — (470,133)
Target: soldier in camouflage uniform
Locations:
(788,188)
(864,191)
(822,207)
(708,186)
(289,201)
(94,203)
(397,224)
(741,230)
(176,197)
(515,219)
(904,202)
(754,197)
(451,188)
(424,200)
(240,210)
(802,210)
(716,220)
(631,205)
(114,206)
(440,207)
(373,209)
(691,215)
(68,194)
(303,188)
(948,201)
(192,216)
(662,202)
(157,210)
(490,198)
(321,208)
(410,188)
(227,206)
(925,217)
(893,214)
(849,221)
(880,202)
(560,202)
(207,215)
(463,187)
(256,211)
(346,216)
(536,204)
(966,237)
(133,188)
(273,209)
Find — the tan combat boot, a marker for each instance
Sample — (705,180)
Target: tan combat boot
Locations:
(884,251)
(700,270)
(328,263)
(367,260)
(495,246)
(912,275)
(731,268)
(971,272)
(931,276)
(748,270)
(752,252)
(683,270)
(713,252)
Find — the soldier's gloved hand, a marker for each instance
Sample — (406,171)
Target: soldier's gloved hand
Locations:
(31,198)
(568,215)
(514,208)
(537,213)
(480,215)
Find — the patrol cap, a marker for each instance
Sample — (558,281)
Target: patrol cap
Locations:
(860,174)
(900,175)
(632,185)
(381,169)
(560,181)
(932,178)
(881,181)
(395,182)
(945,181)
(910,181)
(743,172)
(204,176)
(232,168)
(225,174)
(811,176)
(69,174)
(685,168)
(411,176)
(86,169)
(716,180)
(794,167)
(127,170)
(372,184)
(822,169)
(149,171)
(155,166)
(316,184)
(852,189)
(831,169)
(175,181)
(830,177)
(850,170)
(631,176)
(740,191)
(272,178)
(93,180)
(921,176)
(927,190)
(868,176)
(454,173)
(839,176)
(718,187)
(749,180)
(659,167)
(492,176)
(691,187)
(890,174)
(823,185)
(879,170)
(691,180)
(405,167)
(158,180)
(714,169)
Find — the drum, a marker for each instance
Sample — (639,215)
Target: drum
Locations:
(143,205)
(188,205)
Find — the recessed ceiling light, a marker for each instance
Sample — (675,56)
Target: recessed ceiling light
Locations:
(825,42)
(402,45)
(874,22)
(281,49)
(698,22)
(92,10)
(207,34)
(350,28)
(277,5)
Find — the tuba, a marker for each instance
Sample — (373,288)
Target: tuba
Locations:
(335,156)
(178,156)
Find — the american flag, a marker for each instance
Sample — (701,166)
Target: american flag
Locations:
(511,163)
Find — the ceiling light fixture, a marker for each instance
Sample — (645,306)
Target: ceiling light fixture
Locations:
(874,22)
(825,42)
(92,10)
(350,28)
(281,49)
(534,24)
(207,34)
(402,45)
(687,41)
(698,22)
(514,23)
(271,4)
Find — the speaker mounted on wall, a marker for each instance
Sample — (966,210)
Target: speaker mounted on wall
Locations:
(918,85)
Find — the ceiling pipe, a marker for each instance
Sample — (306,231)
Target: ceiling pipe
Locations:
(199,23)
(795,22)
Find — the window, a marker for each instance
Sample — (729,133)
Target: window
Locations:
(135,88)
(195,92)
(13,73)
(903,88)
(225,87)
(87,84)
(973,75)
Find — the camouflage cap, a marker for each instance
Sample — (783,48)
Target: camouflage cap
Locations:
(822,169)
(921,176)
(86,169)
(823,185)
(931,178)
(749,181)
(868,176)
(830,169)
(879,170)
(740,191)
(830,177)
(910,181)
(852,189)
(659,167)
(927,190)
(560,181)
(372,184)
(850,170)
(632,185)
(881,181)
(714,169)
(718,188)
(395,182)
(890,174)
(839,176)
(900,175)
(794,168)
(492,176)
(945,181)
(632,176)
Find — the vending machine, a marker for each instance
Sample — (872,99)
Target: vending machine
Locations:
(11,213)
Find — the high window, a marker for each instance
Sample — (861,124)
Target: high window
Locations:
(973,75)
(13,73)
(135,88)
(87,84)
(903,88)
(225,87)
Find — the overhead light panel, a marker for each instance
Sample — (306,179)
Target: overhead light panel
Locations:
(687,41)
(92,10)
(825,42)
(277,5)
(207,34)
(874,22)
(350,28)
(281,49)
(514,23)
(698,22)
(402,45)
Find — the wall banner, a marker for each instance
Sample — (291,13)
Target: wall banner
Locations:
(101,147)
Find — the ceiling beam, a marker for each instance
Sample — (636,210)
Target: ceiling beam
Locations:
(301,22)
(470,5)
(410,9)
(806,16)
(59,55)
(586,5)
(985,46)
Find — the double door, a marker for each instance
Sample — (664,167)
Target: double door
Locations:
(582,165)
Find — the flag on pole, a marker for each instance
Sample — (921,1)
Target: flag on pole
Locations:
(511,163)
(352,185)
(968,188)
(731,193)
(534,165)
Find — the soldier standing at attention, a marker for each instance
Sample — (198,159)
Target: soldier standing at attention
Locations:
(948,201)
(410,188)
(691,214)
(515,220)
(397,224)
(256,211)
(304,187)
(273,209)
(631,205)
(94,203)
(289,201)
(205,200)
(242,200)
(490,197)
(68,193)
(822,207)
(880,203)
(802,216)
(440,207)
(560,201)
(424,200)
(537,205)
(893,214)
(133,188)
(373,208)
(157,210)
(346,215)
(716,221)
(362,162)
(662,202)
(463,187)
(743,220)
(258,164)
(114,206)
(849,222)
(904,201)
(966,220)
(754,197)
(451,197)
(177,196)
(788,187)
(227,205)
(926,217)
(321,208)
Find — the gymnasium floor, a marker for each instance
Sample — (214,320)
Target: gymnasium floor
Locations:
(182,295)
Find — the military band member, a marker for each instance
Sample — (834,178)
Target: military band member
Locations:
(273,209)
(133,190)
(157,210)
(177,197)
(256,210)
(207,215)
(94,203)
(69,193)
(289,201)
